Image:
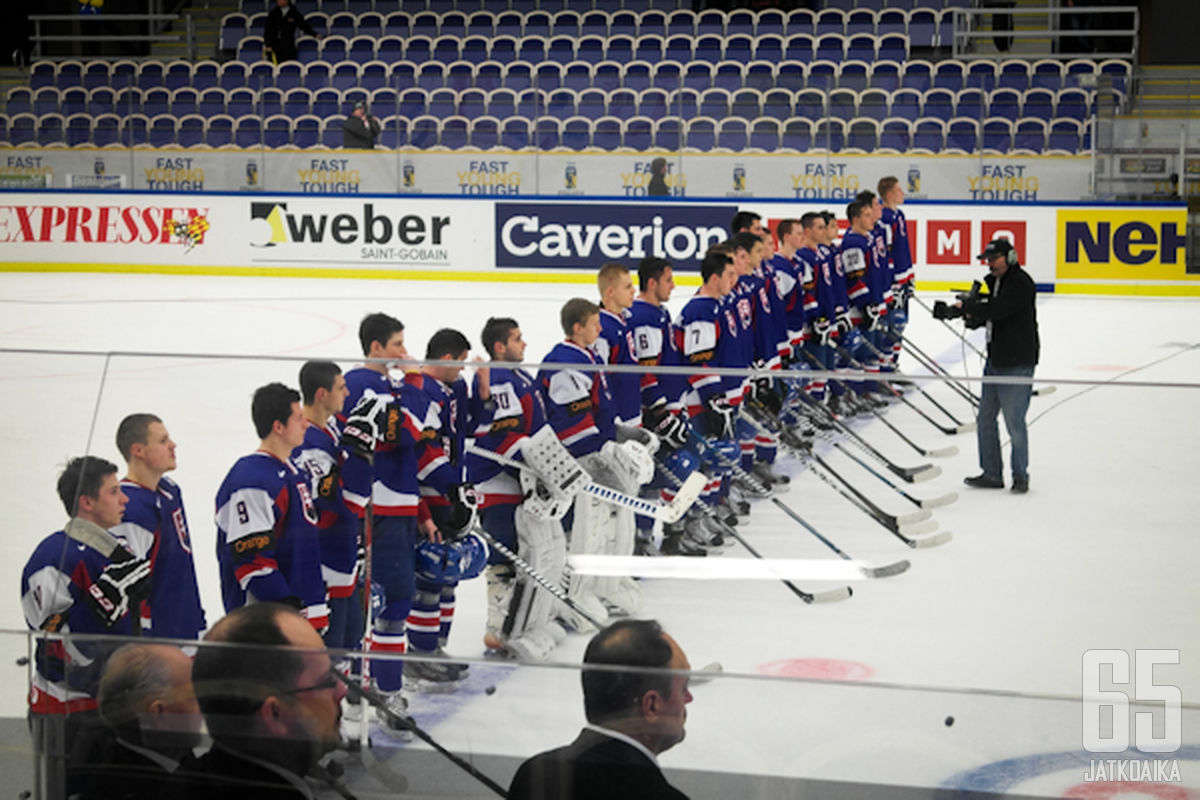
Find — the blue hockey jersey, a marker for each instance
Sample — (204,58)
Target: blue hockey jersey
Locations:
(322,458)
(579,403)
(615,346)
(268,546)
(519,411)
(654,345)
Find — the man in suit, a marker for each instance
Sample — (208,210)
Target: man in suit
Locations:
(632,717)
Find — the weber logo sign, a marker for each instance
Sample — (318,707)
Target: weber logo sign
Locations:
(562,236)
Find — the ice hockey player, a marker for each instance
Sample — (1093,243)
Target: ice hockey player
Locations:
(818,261)
(895,227)
(453,552)
(78,580)
(521,615)
(581,411)
(155,519)
(615,344)
(323,390)
(267,541)
(866,281)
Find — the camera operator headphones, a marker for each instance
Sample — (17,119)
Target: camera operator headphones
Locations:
(1004,246)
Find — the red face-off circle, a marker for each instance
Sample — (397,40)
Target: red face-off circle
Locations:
(827,669)
(1108,790)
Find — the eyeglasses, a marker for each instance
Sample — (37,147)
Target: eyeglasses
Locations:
(330,682)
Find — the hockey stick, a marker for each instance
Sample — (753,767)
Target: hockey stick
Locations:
(844,353)
(399,722)
(667,512)
(934,367)
(894,336)
(942,452)
(944,500)
(908,474)
(808,597)
(882,572)
(910,524)
(537,577)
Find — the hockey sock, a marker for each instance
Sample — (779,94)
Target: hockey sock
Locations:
(424,620)
(447,613)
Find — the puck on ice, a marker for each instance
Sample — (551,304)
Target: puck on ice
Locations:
(490,690)
(949,721)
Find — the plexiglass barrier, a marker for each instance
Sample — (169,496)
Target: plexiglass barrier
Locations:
(989,641)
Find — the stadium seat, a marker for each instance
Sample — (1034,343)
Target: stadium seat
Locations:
(939,103)
(895,134)
(764,134)
(830,20)
(746,104)
(729,75)
(577,133)
(801,20)
(1073,104)
(240,102)
(715,103)
(77,130)
(733,134)
(518,75)
(637,76)
(317,75)
(156,101)
(489,75)
(106,130)
(233,29)
(1038,103)
(796,134)
(929,134)
(374,75)
(606,133)
(515,133)
(73,101)
(41,74)
(686,103)
(893,47)
(565,23)
(191,130)
(1004,103)
(384,103)
(668,75)
(700,134)
(970,103)
(1029,133)
(184,101)
(163,131)
(830,134)
(560,103)
(810,104)
(326,102)
(863,133)
(69,74)
(653,103)
(791,75)
(873,104)
(103,100)
(922,27)
(233,75)
(248,131)
(997,134)
(424,132)
(842,104)
(455,132)
(698,76)
(296,103)
(822,74)
(854,75)
(639,133)
(1046,73)
(393,133)
(442,103)
(531,103)
(95,74)
(1065,135)
(370,24)
(892,21)
(830,47)
(864,47)
(431,75)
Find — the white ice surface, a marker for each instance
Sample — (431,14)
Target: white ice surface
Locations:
(1101,553)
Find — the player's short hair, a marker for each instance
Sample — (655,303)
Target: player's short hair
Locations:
(784,228)
(742,221)
(272,403)
(317,375)
(133,430)
(716,260)
(134,677)
(232,682)
(856,207)
(651,268)
(886,184)
(610,694)
(829,217)
(744,241)
(808,218)
(576,311)
(82,478)
(496,331)
(377,327)
(609,274)
(447,342)
(866,195)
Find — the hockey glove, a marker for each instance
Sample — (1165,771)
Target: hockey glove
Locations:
(121,586)
(671,429)
(845,323)
(875,315)
(824,330)
(366,424)
(464,503)
(762,391)
(721,417)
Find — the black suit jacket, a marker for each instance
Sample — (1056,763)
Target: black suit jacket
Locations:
(593,767)
(222,773)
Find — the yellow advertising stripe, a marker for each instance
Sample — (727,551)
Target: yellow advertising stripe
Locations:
(1115,289)
(475,276)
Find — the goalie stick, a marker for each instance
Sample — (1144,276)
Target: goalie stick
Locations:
(939,453)
(871,572)
(829,596)
(537,577)
(558,455)
(399,722)
(911,524)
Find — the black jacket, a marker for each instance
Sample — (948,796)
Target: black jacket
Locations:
(279,31)
(1011,310)
(360,134)
(593,767)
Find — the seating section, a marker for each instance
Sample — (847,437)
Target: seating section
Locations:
(637,74)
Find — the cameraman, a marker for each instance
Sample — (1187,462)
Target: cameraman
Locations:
(1008,312)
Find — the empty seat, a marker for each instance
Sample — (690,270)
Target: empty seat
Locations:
(733,134)
(895,134)
(764,134)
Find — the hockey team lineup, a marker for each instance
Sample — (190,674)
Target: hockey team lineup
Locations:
(807,420)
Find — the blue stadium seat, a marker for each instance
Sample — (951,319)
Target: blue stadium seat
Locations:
(183,102)
(296,103)
(619,48)
(537,23)
(42,73)
(698,76)
(218,131)
(1013,74)
(715,103)
(455,132)
(764,134)
(892,21)
(863,134)
(531,103)
(424,132)
(939,103)
(394,133)
(854,75)
(843,104)
(922,28)
(501,103)
(1038,103)
(639,133)
(729,75)
(233,28)
(929,134)
(708,48)
(485,133)
(885,75)
(685,103)
(863,47)
(951,75)
(306,132)
(135,130)
(831,47)
(770,22)
(653,103)
(1115,68)
(860,21)
(155,101)
(710,22)
(560,103)
(810,104)
(101,100)
(1046,73)
(69,74)
(981,75)
(453,23)
(830,134)
(129,101)
(191,130)
(997,135)
(733,134)
(1004,103)
(515,133)
(893,47)
(96,73)
(164,131)
(667,75)
(608,75)
(970,103)
(791,75)
(518,75)
(668,133)
(243,101)
(442,103)
(681,21)
(77,130)
(547,76)
(472,103)
(565,23)
(1073,104)
(20,101)
(345,75)
(370,24)
(906,104)
(607,133)
(874,104)
(326,102)
(799,47)
(431,75)
(797,134)
(1029,134)
(73,101)
(830,20)
(740,48)
(593,23)
(638,75)
(547,133)
(648,49)
(777,104)
(577,133)
(918,74)
(1065,135)
(700,134)
(739,21)
(822,74)
(151,75)
(746,103)
(622,103)
(759,75)
(384,103)
(895,134)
